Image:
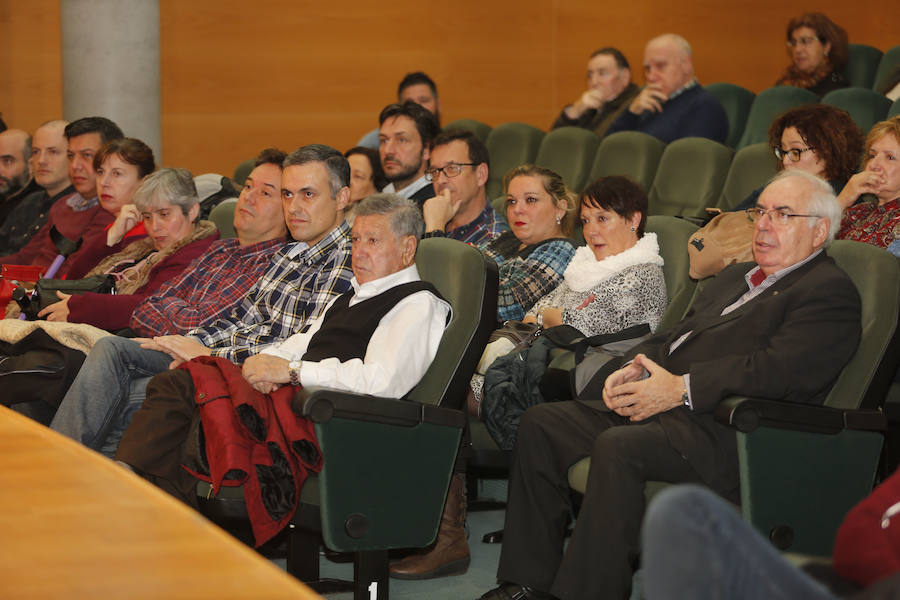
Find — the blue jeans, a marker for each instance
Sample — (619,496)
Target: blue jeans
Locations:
(109,388)
(695,545)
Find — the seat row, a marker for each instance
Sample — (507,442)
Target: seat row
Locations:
(683,178)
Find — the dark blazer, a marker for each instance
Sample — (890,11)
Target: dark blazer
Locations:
(789,344)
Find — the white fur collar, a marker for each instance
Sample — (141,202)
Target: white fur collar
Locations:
(585,271)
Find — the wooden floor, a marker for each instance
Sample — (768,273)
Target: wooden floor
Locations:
(73,524)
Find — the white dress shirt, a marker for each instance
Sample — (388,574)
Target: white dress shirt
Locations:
(399,351)
(409,190)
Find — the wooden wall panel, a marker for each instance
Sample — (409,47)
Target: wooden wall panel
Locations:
(239,76)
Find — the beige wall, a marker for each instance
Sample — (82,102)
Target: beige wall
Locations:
(236,78)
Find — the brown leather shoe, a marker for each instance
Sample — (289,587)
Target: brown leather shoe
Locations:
(449,554)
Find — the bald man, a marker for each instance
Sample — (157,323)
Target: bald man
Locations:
(672,105)
(50,169)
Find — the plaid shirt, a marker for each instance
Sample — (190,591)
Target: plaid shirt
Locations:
(295,289)
(488,225)
(208,289)
(529,274)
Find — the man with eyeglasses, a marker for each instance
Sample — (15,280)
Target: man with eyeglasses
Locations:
(458,169)
(781,329)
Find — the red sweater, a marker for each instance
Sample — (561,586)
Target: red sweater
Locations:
(113,312)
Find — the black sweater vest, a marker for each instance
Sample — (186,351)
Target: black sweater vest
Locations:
(346,330)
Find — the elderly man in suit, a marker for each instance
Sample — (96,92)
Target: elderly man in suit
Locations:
(780,328)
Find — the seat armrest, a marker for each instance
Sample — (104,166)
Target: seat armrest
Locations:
(320,405)
(746,414)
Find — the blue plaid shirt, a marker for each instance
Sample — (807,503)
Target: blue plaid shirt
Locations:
(293,291)
(488,225)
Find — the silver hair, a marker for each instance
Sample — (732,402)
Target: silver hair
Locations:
(335,164)
(820,200)
(167,186)
(406,218)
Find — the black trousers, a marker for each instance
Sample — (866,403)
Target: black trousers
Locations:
(624,455)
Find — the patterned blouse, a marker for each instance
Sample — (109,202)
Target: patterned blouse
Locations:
(872,224)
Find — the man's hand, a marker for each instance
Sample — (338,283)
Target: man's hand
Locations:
(265,372)
(650,99)
(128,217)
(628,395)
(58,311)
(591,99)
(439,211)
(181,348)
(864,182)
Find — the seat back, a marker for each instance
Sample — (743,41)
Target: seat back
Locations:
(223,216)
(629,153)
(737,102)
(481,130)
(767,106)
(672,234)
(894,110)
(866,107)
(470,287)
(510,145)
(863,383)
(570,152)
(887,68)
(862,64)
(690,177)
(753,166)
(242,170)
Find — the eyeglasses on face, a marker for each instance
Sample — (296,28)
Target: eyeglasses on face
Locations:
(450,170)
(793,153)
(779,216)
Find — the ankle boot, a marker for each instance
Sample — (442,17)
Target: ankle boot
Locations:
(449,554)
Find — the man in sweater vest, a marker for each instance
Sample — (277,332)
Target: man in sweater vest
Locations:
(379,338)
(672,105)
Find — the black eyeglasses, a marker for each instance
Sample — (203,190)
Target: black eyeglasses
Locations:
(792,153)
(779,216)
(450,170)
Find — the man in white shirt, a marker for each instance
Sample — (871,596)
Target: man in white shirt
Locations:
(378,338)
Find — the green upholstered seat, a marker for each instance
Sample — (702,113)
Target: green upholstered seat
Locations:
(894,110)
(481,130)
(752,167)
(242,170)
(690,177)
(737,102)
(629,153)
(862,64)
(673,235)
(570,152)
(510,145)
(769,105)
(223,216)
(866,107)
(887,68)
(802,467)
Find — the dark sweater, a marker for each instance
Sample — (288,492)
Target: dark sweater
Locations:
(693,113)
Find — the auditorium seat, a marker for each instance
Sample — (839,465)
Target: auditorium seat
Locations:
(866,107)
(242,170)
(629,153)
(862,64)
(481,130)
(510,145)
(737,102)
(888,66)
(690,177)
(570,152)
(767,106)
(752,167)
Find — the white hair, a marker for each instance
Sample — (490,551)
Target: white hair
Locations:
(820,200)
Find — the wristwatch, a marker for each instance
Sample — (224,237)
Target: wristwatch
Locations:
(294,372)
(685,399)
